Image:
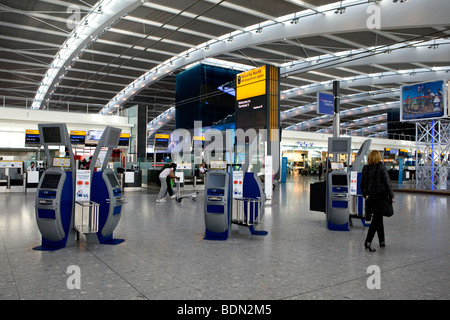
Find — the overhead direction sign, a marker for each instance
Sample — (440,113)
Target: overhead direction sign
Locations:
(251,83)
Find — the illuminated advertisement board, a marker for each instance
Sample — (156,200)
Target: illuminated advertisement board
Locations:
(424,101)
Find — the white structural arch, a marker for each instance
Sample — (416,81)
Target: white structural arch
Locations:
(433,13)
(101,16)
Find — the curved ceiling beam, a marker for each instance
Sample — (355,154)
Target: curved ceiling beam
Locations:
(97,21)
(345,99)
(414,51)
(382,134)
(403,76)
(160,121)
(358,122)
(432,13)
(327,118)
(370,129)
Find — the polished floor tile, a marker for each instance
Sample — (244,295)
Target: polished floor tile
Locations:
(164,256)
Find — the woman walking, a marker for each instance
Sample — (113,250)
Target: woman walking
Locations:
(375,183)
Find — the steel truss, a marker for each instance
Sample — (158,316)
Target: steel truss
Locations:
(433,148)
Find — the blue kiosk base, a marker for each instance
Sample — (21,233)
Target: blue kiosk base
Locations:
(222,236)
(251,231)
(48,245)
(48,248)
(112,241)
(98,238)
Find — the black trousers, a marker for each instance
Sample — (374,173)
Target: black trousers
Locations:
(169,187)
(376,226)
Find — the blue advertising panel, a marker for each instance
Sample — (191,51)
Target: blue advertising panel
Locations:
(284,161)
(325,103)
(423,101)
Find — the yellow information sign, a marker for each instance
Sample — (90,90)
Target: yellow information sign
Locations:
(32,131)
(161,136)
(124,135)
(77,133)
(251,83)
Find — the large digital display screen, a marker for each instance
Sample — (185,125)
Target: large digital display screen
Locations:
(423,101)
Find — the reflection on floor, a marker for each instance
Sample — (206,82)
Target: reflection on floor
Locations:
(165,257)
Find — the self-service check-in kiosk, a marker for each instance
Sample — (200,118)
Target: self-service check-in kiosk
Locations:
(337,206)
(54,204)
(105,189)
(217,210)
(338,200)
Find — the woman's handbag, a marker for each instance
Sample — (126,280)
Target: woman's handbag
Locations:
(387,208)
(368,211)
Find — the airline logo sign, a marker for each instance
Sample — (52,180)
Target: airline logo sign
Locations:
(325,103)
(251,83)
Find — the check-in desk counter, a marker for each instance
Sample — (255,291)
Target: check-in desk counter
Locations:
(32,180)
(16,180)
(3,180)
(11,176)
(153,177)
(133,180)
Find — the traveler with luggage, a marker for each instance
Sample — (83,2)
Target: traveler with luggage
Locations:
(164,177)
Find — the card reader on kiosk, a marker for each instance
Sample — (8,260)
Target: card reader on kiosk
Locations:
(217,205)
(105,189)
(54,204)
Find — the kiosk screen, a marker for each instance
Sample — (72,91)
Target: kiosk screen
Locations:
(113,180)
(50,181)
(51,135)
(339,180)
(216,181)
(113,139)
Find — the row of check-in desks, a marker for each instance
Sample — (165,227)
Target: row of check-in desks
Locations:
(15,180)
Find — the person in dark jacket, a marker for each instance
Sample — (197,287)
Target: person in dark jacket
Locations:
(375,182)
